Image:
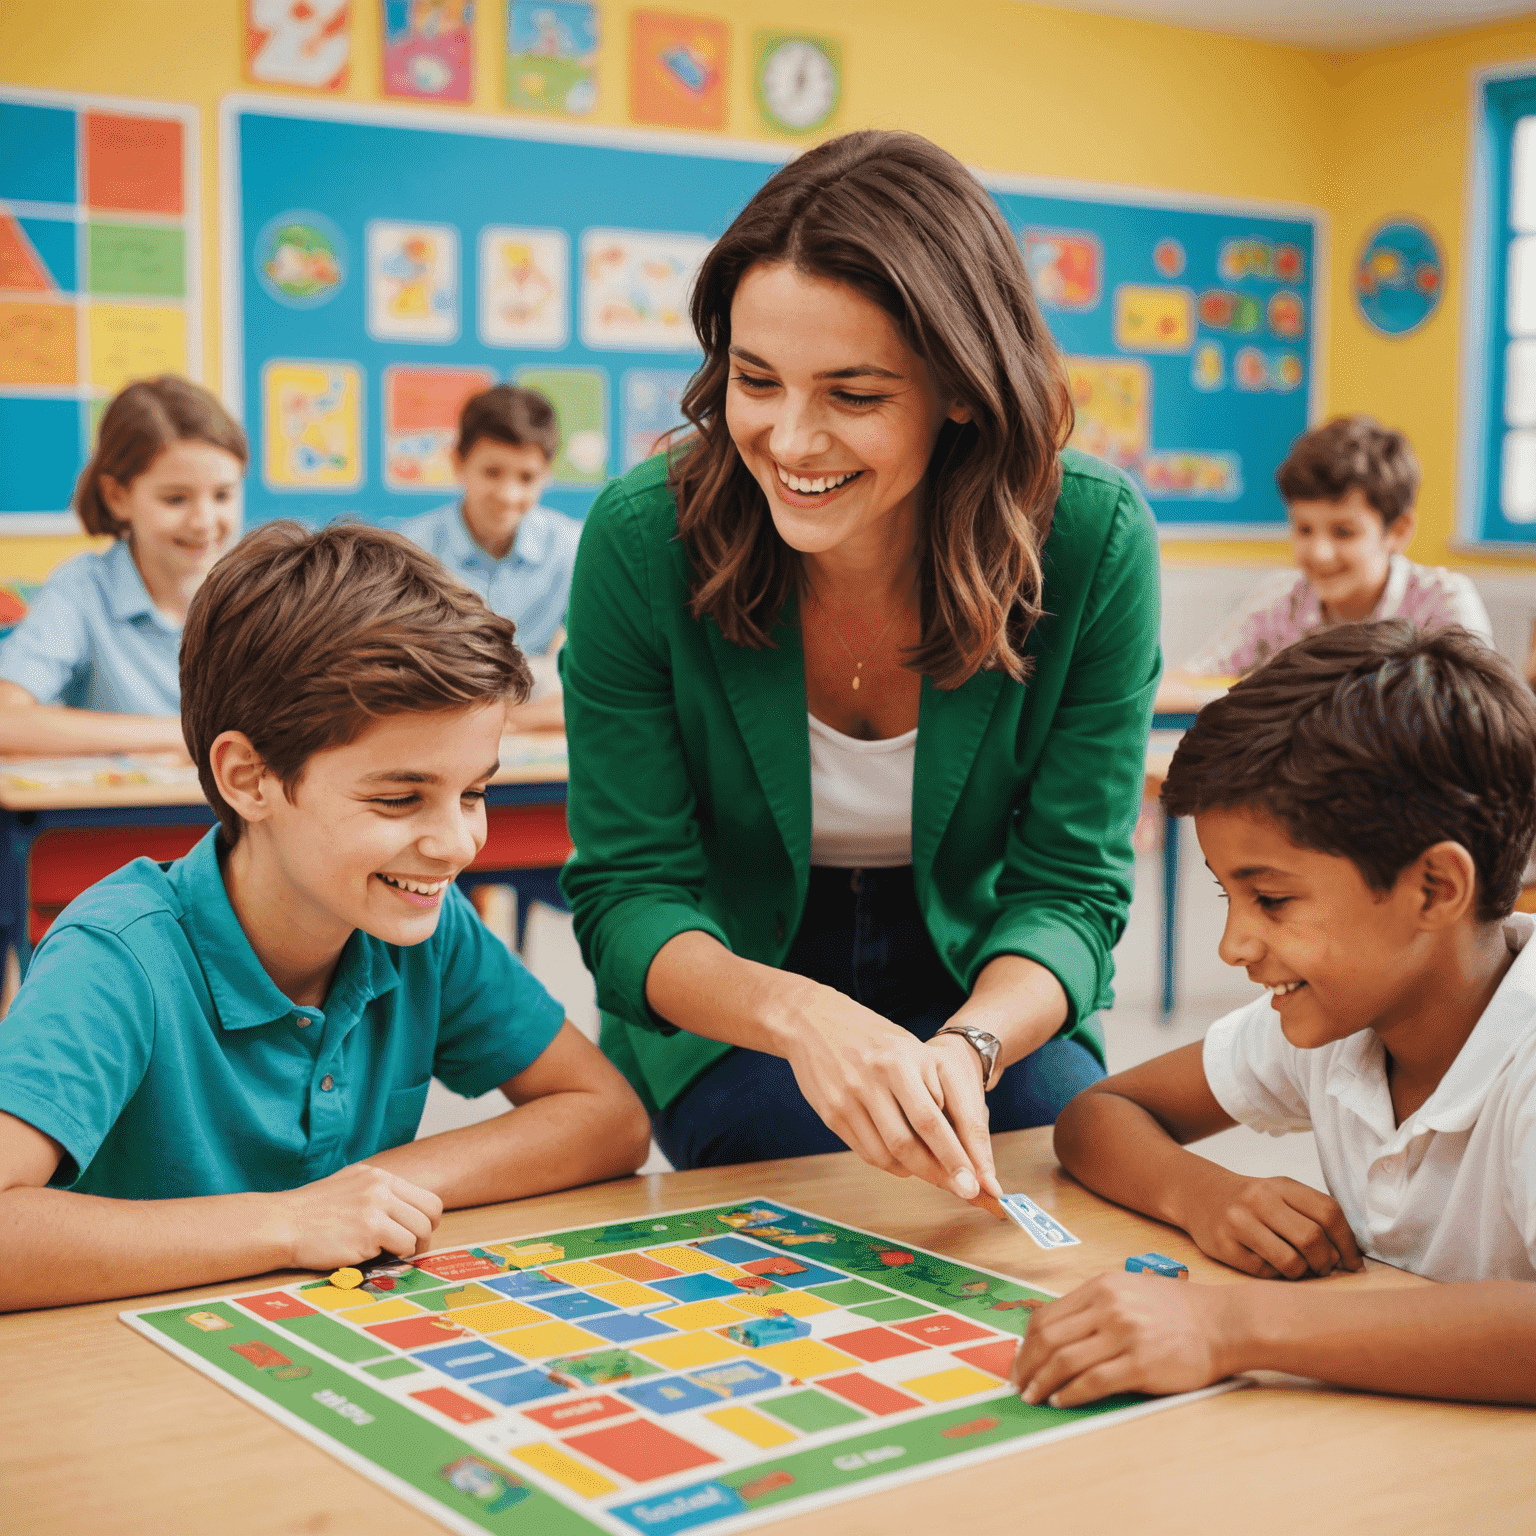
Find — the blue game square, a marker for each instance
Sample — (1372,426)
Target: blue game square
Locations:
(694,1287)
(736,1250)
(621,1327)
(526,1285)
(473,1357)
(736,1378)
(523,1387)
(570,1304)
(809,1274)
(670,1394)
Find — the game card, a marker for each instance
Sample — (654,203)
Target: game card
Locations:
(1043,1228)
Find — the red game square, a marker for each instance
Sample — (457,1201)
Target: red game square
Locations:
(636,1266)
(413,1332)
(873,1395)
(641,1450)
(943,1331)
(996,1357)
(577,1411)
(450,1404)
(874,1344)
(274,1304)
(133,163)
(779,1264)
(458,1266)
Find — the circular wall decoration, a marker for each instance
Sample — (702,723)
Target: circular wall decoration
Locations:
(1168,257)
(1399,277)
(799,81)
(301,259)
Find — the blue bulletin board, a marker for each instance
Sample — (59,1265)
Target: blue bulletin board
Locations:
(382,264)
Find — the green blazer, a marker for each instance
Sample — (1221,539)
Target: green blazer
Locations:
(690,793)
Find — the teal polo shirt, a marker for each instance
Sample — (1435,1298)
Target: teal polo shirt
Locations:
(148,1041)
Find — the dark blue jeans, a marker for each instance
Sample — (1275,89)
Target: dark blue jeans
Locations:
(864,934)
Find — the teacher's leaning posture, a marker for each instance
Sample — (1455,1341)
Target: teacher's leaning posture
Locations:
(858,686)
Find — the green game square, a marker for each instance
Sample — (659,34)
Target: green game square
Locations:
(142,260)
(811,1410)
(336,1339)
(387,1370)
(897,1310)
(845,1293)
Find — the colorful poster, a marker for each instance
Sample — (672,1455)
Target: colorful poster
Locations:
(679,70)
(580,399)
(634,289)
(1198,476)
(300,259)
(134,341)
(652,408)
(525,287)
(1066,266)
(421,423)
(552,56)
(1149,318)
(429,49)
(312,425)
(413,281)
(1399,277)
(37,344)
(298,42)
(1113,401)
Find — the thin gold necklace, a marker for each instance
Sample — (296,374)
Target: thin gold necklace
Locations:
(858,666)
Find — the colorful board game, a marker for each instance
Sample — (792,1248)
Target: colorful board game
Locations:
(704,1370)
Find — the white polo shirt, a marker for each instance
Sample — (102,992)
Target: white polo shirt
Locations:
(1451,1192)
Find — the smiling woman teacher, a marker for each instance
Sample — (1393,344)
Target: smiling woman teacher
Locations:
(858,690)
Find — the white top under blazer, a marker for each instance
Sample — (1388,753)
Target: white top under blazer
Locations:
(861,799)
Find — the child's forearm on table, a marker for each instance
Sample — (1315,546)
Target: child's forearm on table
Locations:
(61,1247)
(1474,1340)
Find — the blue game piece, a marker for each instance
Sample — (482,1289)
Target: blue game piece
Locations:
(1157,1264)
(760,1331)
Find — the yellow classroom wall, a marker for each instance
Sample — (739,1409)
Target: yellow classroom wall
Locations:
(1007,87)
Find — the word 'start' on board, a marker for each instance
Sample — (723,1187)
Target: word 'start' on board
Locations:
(614,1378)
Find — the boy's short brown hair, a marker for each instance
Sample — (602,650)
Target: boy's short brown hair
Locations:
(507,413)
(1374,742)
(1352,453)
(301,640)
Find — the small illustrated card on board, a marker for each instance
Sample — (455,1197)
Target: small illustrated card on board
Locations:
(525,281)
(299,42)
(552,56)
(429,49)
(634,291)
(421,423)
(413,281)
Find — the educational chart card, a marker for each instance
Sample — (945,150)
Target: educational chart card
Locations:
(705,1370)
(98,280)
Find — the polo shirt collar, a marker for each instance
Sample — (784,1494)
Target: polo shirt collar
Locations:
(535,538)
(1397,586)
(242,991)
(127,596)
(531,544)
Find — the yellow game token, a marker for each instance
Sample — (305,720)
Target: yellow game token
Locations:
(347,1279)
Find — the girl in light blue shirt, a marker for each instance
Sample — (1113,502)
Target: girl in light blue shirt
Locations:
(93,666)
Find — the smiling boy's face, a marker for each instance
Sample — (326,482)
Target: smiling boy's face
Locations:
(1337,956)
(375,831)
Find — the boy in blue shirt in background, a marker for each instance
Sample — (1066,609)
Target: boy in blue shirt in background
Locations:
(500,542)
(216,1067)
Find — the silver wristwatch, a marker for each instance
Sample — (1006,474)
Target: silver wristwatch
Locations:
(986,1046)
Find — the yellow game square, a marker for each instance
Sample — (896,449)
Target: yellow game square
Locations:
(792,1303)
(497,1316)
(383,1312)
(691,1349)
(553,1462)
(700,1314)
(751,1426)
(333,1298)
(629,1293)
(942,1386)
(689,1260)
(551,1337)
(579,1272)
(805,1357)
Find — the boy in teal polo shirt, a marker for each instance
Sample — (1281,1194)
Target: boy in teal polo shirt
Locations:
(216,1066)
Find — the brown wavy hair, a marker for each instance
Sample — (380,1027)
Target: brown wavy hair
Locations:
(903,223)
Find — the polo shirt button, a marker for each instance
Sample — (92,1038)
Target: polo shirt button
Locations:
(301,1021)
(327,1083)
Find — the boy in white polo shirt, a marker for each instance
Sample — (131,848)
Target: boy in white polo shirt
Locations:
(1366,801)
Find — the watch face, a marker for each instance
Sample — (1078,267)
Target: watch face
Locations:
(799,84)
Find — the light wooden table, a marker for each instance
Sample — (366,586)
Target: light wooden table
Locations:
(100,1431)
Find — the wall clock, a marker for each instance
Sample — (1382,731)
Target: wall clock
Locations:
(799,81)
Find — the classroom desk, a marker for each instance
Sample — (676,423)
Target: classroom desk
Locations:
(102,1431)
(26,813)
